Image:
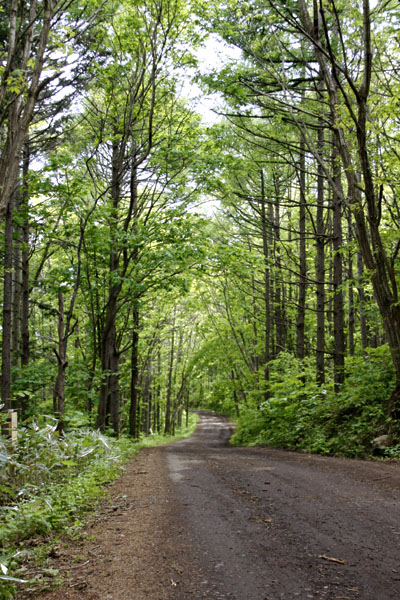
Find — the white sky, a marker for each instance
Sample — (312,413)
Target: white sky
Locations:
(214,53)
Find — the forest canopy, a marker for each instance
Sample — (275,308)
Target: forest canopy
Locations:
(153,263)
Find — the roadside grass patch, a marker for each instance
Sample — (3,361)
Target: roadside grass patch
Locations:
(157,439)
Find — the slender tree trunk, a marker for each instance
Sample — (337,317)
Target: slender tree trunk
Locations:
(25,336)
(177,396)
(114,383)
(350,278)
(300,322)
(59,388)
(25,258)
(256,359)
(330,315)
(187,408)
(168,420)
(364,329)
(267,288)
(338,315)
(7,308)
(158,411)
(134,375)
(272,278)
(147,397)
(109,391)
(17,287)
(280,323)
(320,267)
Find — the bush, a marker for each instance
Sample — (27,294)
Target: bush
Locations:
(301,415)
(47,483)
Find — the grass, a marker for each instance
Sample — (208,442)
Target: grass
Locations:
(72,484)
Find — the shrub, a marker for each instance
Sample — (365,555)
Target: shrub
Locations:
(301,415)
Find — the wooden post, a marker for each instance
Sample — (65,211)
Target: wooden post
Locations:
(9,428)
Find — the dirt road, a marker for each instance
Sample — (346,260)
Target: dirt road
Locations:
(199,519)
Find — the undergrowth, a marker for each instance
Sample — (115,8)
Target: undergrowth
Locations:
(48,483)
(299,414)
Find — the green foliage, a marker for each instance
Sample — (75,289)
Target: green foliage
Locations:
(41,459)
(47,483)
(300,415)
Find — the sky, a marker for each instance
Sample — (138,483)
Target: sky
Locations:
(213,54)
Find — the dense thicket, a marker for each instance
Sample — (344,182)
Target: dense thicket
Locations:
(123,303)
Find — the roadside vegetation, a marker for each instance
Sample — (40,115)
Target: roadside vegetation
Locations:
(301,415)
(47,485)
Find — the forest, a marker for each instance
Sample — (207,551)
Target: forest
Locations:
(156,261)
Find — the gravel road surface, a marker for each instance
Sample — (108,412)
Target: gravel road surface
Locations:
(199,519)
(267,524)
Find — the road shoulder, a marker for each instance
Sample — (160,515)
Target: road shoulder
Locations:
(133,543)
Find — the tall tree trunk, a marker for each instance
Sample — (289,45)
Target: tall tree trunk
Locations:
(256,359)
(267,287)
(59,388)
(279,312)
(146,397)
(133,215)
(350,278)
(25,258)
(157,425)
(17,286)
(338,315)
(7,309)
(109,392)
(168,420)
(320,266)
(300,322)
(364,329)
(133,422)
(114,382)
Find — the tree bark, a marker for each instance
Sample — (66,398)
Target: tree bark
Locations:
(17,285)
(25,258)
(320,266)
(338,315)
(279,312)
(364,329)
(168,420)
(59,388)
(109,356)
(7,309)
(300,322)
(133,429)
(267,288)
(350,278)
